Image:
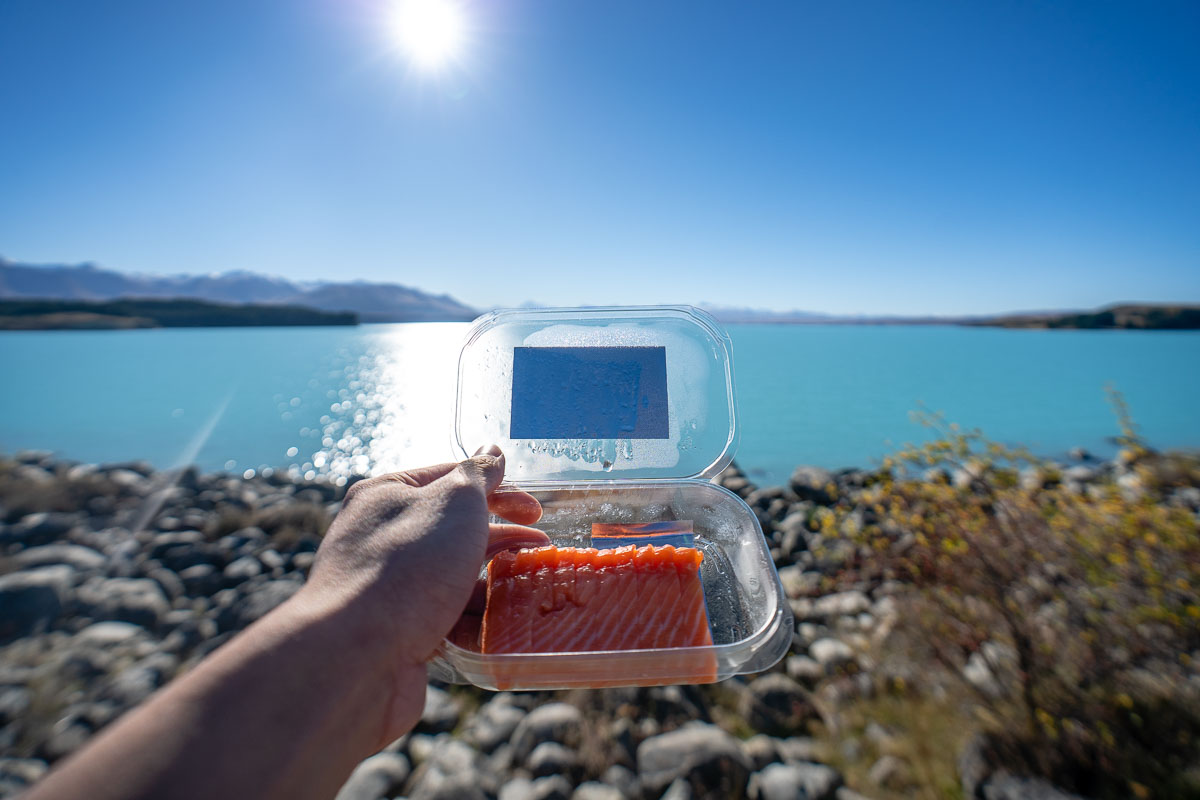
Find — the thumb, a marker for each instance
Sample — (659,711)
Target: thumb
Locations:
(484,470)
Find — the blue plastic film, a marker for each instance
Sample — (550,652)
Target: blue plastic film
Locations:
(677,533)
(589,393)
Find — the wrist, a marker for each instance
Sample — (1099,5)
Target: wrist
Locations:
(388,684)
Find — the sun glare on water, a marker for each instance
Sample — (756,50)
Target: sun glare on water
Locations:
(430,33)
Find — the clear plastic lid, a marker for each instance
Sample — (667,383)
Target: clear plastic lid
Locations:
(598,393)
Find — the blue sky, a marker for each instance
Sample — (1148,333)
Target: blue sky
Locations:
(907,157)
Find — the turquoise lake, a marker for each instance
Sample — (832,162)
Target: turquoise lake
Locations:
(377,397)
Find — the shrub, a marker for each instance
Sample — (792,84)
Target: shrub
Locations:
(1083,603)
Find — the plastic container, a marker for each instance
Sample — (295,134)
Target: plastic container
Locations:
(621,415)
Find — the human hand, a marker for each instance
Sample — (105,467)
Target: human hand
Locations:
(402,559)
(288,707)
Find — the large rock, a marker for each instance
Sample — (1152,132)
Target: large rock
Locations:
(553,787)
(815,484)
(378,776)
(18,774)
(242,569)
(553,722)
(760,749)
(1003,786)
(257,604)
(68,735)
(776,704)
(109,634)
(804,670)
(201,580)
(551,758)
(841,604)
(441,711)
(75,556)
(452,769)
(705,757)
(830,653)
(32,599)
(493,724)
(624,779)
(39,528)
(595,790)
(139,601)
(14,702)
(137,682)
(795,782)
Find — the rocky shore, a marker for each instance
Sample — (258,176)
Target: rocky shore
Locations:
(116,579)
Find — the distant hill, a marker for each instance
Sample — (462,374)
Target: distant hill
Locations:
(1144,316)
(372,302)
(730,314)
(37,315)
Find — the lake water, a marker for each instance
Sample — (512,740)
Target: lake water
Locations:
(378,397)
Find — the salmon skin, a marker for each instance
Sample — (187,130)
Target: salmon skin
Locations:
(576,600)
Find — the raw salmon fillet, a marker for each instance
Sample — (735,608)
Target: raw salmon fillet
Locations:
(573,600)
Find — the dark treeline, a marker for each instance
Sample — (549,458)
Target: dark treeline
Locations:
(147,313)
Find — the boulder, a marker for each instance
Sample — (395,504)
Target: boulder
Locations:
(493,724)
(624,779)
(14,702)
(200,580)
(33,599)
(137,682)
(109,634)
(793,580)
(80,558)
(452,769)
(760,750)
(703,756)
(797,749)
(1003,786)
(441,711)
(681,790)
(553,787)
(139,601)
(168,581)
(776,704)
(804,670)
(68,735)
(831,653)
(551,758)
(257,604)
(553,722)
(242,569)
(841,604)
(40,528)
(18,774)
(795,782)
(814,484)
(595,790)
(379,776)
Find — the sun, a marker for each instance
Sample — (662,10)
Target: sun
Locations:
(430,33)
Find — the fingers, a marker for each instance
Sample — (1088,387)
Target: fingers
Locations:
(513,537)
(515,506)
(484,470)
(420,476)
(500,538)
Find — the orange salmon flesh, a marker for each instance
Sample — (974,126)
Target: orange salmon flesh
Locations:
(572,600)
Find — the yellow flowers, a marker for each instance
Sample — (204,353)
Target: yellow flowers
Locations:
(1098,588)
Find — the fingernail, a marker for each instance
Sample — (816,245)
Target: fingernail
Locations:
(490,450)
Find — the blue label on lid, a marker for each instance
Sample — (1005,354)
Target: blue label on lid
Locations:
(589,393)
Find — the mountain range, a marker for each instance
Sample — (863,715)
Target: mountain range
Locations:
(372,302)
(391,302)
